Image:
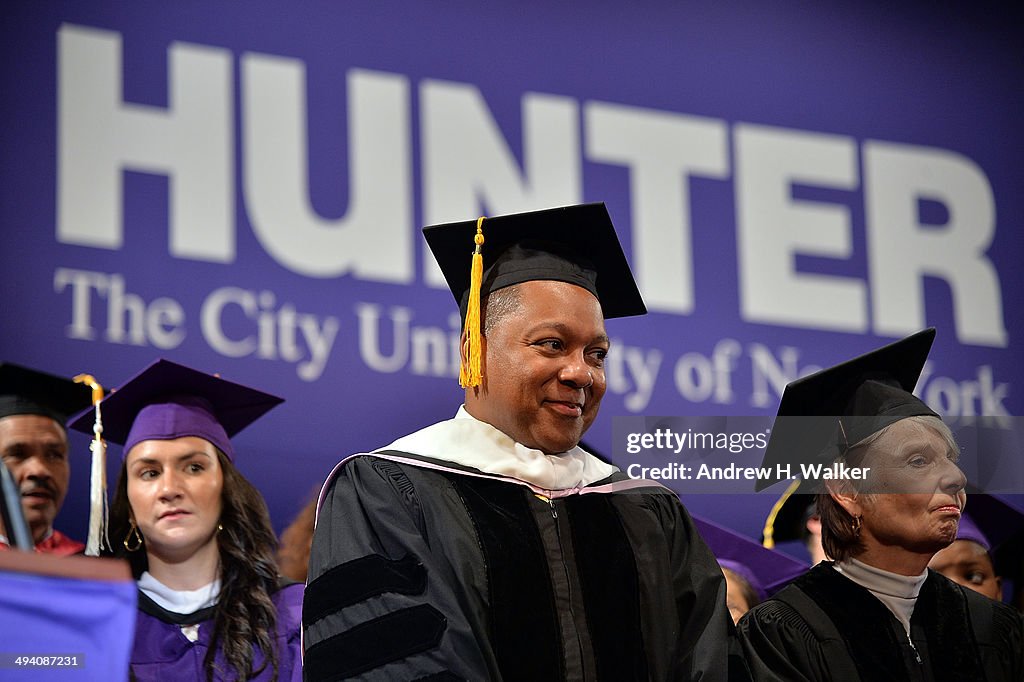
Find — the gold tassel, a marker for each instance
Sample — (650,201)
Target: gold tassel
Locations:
(469,373)
(769,525)
(98,475)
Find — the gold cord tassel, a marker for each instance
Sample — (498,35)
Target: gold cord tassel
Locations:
(98,476)
(469,372)
(768,534)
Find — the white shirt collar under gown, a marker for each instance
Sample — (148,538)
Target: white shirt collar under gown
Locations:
(470,442)
(897,592)
(179,601)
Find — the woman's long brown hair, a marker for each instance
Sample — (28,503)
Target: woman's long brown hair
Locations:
(245,613)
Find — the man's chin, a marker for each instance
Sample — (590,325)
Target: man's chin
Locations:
(39,531)
(558,446)
(38,517)
(551,436)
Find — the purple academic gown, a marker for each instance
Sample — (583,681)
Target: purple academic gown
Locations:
(161,652)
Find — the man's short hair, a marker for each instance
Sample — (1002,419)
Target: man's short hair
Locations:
(499,305)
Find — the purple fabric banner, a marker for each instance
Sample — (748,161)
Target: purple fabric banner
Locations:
(55,628)
(240,187)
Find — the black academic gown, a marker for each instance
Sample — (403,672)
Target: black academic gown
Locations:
(824,626)
(448,574)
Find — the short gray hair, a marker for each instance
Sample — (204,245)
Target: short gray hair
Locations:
(839,539)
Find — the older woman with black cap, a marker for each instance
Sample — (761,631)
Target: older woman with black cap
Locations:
(877,612)
(196,532)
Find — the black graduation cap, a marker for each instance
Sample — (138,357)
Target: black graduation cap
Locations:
(787,519)
(822,415)
(167,400)
(29,391)
(574,244)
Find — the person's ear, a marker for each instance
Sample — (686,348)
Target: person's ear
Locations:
(846,496)
(464,347)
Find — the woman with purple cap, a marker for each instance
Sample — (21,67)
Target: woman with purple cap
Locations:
(988,555)
(893,497)
(743,590)
(751,571)
(196,532)
(968,562)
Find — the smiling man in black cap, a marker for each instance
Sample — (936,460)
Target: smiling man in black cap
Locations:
(34,407)
(491,546)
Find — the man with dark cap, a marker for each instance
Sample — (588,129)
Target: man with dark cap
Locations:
(34,407)
(876,612)
(491,546)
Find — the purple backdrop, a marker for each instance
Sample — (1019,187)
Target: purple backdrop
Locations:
(240,187)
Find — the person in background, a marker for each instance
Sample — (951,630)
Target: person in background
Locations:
(967,561)
(34,407)
(296,542)
(751,571)
(988,555)
(795,517)
(491,546)
(196,532)
(743,592)
(877,612)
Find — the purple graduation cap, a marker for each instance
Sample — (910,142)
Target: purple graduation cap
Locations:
(167,400)
(968,530)
(764,569)
(1000,523)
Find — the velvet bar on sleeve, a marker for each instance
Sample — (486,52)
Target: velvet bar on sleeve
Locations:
(448,573)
